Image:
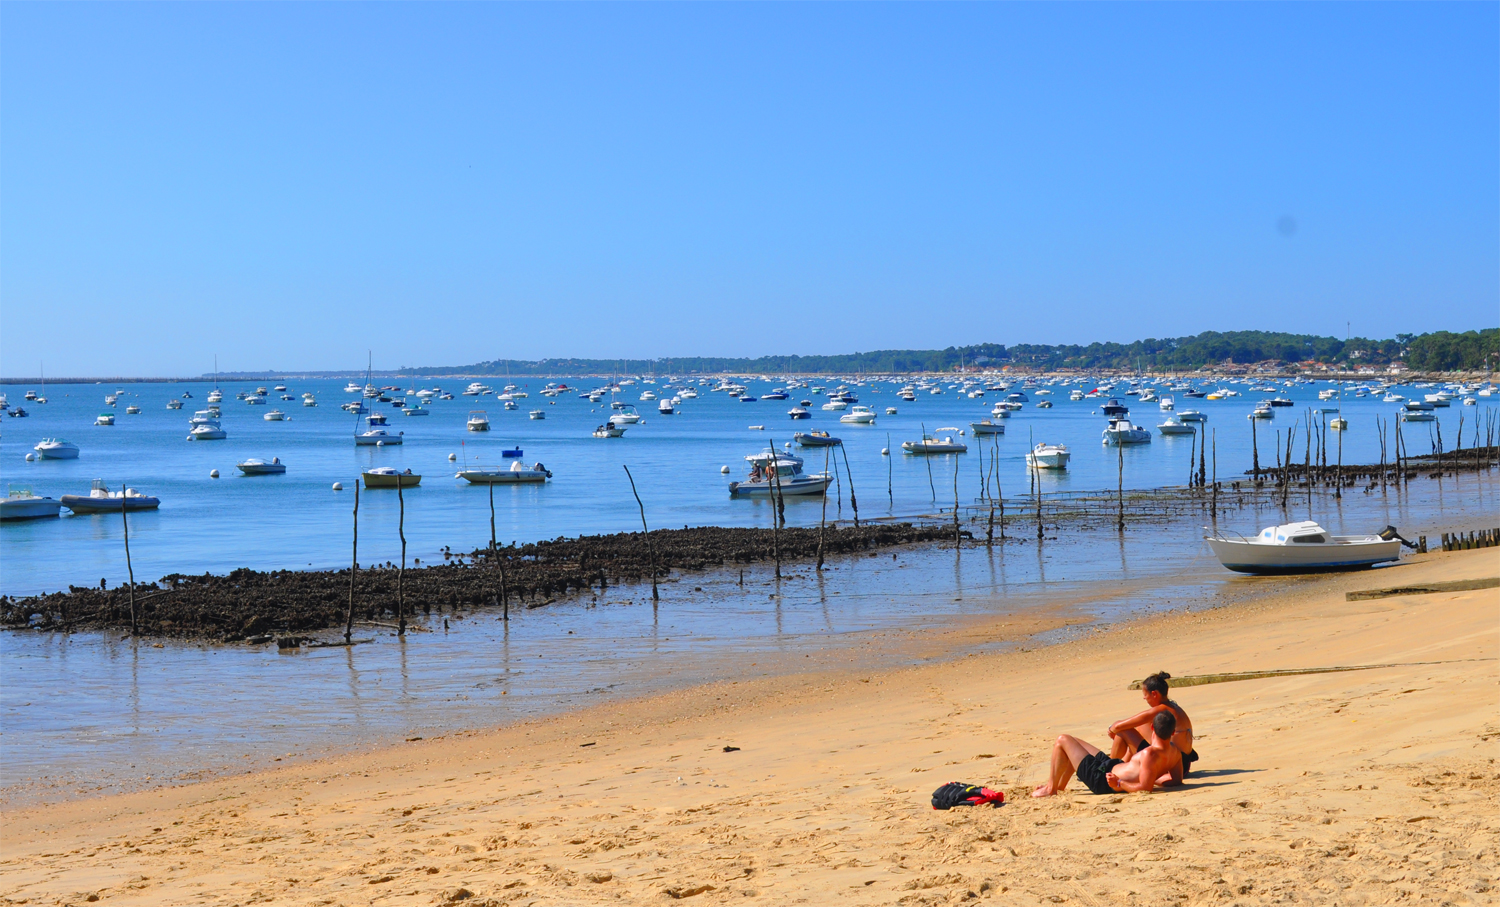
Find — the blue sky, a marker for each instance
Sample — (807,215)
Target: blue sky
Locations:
(289,185)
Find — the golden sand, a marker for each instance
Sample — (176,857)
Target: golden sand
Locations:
(1365,787)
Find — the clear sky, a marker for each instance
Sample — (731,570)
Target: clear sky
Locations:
(290,184)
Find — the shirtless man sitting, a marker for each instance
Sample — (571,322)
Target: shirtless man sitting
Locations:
(1102,774)
(1128,735)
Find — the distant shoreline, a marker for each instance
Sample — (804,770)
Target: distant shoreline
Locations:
(1012,373)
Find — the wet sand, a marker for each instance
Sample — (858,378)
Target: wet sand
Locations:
(1357,787)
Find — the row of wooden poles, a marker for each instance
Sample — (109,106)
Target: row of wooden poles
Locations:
(1458,541)
(1315,435)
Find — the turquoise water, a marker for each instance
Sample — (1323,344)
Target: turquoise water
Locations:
(296,521)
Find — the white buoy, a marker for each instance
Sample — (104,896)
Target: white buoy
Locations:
(452,457)
(338,486)
(885,451)
(213,473)
(723,470)
(962,432)
(787,445)
(379,443)
(31,457)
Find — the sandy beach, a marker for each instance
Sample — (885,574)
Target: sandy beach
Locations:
(1359,787)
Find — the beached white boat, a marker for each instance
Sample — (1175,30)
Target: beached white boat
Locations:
(1175,426)
(390,477)
(859,415)
(1048,456)
(1122,431)
(515,473)
(773,471)
(1302,547)
(21,504)
(987,427)
(936,443)
(478,420)
(255,466)
(101,500)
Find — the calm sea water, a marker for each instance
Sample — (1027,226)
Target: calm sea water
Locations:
(90,711)
(297,521)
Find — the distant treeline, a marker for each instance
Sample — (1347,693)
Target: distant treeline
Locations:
(1438,351)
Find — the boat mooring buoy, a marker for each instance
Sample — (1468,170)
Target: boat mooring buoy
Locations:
(213,473)
(723,470)
(885,451)
(338,486)
(31,458)
(452,457)
(379,443)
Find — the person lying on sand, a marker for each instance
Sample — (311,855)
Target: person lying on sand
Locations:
(1128,735)
(1102,774)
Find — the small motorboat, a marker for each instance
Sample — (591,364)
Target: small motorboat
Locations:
(835,406)
(1303,547)
(859,415)
(1281,401)
(1175,426)
(207,431)
(627,415)
(746,398)
(1166,404)
(21,504)
(816,439)
(255,466)
(1048,456)
(511,452)
(478,421)
(1338,423)
(1416,415)
(377,437)
(1001,411)
(664,407)
(539,414)
(1122,431)
(515,473)
(375,419)
(776,472)
(1191,415)
(798,412)
(275,415)
(416,411)
(1044,404)
(174,403)
(18,413)
(255,400)
(609,430)
(132,410)
(933,444)
(1114,408)
(1262,411)
(101,500)
(987,427)
(390,477)
(105,419)
(775,395)
(890,410)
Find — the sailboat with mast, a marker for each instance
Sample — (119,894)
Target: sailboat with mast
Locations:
(216,395)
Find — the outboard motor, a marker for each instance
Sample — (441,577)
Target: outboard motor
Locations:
(1390,532)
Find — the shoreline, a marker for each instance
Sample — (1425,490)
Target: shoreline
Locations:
(826,794)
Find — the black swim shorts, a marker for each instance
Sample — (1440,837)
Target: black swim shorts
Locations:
(1092,769)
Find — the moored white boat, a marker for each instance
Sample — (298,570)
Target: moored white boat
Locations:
(1122,431)
(377,437)
(859,415)
(776,472)
(987,427)
(1048,456)
(21,504)
(207,431)
(936,443)
(275,415)
(1175,426)
(1303,547)
(101,500)
(609,430)
(104,419)
(514,474)
(478,420)
(537,414)
(816,439)
(255,466)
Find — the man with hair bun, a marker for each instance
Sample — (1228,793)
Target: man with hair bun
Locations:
(1128,735)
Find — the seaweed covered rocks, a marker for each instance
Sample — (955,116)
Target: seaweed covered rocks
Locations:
(249,604)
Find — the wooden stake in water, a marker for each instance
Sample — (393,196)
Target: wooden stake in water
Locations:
(353,569)
(957,535)
(890,494)
(495,560)
(1254,453)
(927,457)
(1120,454)
(1213,508)
(129,570)
(853,503)
(401,573)
(650,548)
(823,519)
